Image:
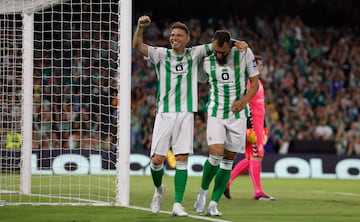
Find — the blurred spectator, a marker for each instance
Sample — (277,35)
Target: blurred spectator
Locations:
(200,143)
(341,142)
(14,138)
(136,133)
(323,131)
(353,138)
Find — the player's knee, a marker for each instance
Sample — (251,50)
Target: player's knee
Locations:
(157,160)
(258,158)
(181,157)
(229,155)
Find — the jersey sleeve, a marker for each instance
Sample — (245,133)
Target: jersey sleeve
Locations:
(208,49)
(201,51)
(251,63)
(154,54)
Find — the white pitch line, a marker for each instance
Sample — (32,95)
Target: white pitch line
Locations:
(338,193)
(317,191)
(191,216)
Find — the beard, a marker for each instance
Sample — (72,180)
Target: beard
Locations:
(221,61)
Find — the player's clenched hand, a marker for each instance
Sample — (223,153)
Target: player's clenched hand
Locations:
(144,21)
(238,105)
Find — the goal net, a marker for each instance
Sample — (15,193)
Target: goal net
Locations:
(59,101)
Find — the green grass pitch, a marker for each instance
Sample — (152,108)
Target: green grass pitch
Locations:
(297,200)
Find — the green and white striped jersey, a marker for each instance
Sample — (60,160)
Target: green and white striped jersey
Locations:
(177,77)
(228,82)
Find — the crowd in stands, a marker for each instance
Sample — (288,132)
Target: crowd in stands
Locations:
(75,80)
(311,79)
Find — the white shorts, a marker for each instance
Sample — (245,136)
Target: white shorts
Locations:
(175,130)
(230,132)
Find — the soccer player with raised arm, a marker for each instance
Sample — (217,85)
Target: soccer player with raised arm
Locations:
(177,99)
(177,72)
(228,71)
(256,139)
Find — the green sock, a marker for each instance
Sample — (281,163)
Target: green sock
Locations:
(180,180)
(157,176)
(209,172)
(221,179)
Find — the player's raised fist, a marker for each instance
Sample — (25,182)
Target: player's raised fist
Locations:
(144,21)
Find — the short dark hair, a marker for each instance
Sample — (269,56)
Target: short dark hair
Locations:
(180,25)
(222,36)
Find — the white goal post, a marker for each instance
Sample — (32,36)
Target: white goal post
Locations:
(61,124)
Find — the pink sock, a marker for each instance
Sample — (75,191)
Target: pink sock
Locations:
(240,168)
(254,170)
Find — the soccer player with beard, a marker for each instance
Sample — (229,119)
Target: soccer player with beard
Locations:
(177,72)
(254,151)
(228,71)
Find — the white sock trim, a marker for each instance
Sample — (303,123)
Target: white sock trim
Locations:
(214,160)
(181,165)
(226,164)
(156,167)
